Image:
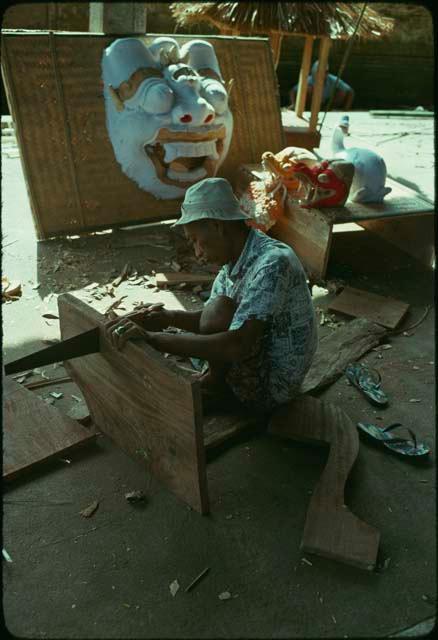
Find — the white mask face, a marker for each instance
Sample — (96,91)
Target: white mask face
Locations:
(176,129)
(153,95)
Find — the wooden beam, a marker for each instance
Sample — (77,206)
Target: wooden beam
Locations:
(275,39)
(300,104)
(331,530)
(318,87)
(118,17)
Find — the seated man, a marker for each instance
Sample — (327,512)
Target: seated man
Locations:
(343,98)
(258,330)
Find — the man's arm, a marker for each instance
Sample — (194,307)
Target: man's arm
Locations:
(227,346)
(187,320)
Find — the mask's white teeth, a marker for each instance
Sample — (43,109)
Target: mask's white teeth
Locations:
(189,150)
(187,176)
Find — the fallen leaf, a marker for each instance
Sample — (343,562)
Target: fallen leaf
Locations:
(88,511)
(174,586)
(50,316)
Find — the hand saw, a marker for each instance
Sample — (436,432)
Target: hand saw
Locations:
(80,345)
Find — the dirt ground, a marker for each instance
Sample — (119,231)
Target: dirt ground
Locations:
(109,576)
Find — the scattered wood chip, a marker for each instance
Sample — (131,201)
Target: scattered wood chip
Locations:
(306,561)
(135,496)
(334,619)
(415,400)
(6,555)
(174,587)
(123,275)
(92,285)
(88,511)
(56,395)
(225,595)
(198,578)
(36,286)
(175,266)
(114,305)
(76,398)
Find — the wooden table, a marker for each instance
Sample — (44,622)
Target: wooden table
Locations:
(404,219)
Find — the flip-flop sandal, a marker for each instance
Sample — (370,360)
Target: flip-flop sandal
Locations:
(402,446)
(368,381)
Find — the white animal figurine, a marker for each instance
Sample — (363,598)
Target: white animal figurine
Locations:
(369,167)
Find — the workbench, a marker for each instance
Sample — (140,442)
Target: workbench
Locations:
(404,218)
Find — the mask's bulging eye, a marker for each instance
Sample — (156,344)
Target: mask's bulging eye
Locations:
(153,96)
(215,93)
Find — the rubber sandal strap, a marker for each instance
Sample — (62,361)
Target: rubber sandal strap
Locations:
(399,424)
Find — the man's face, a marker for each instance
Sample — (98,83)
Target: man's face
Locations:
(208,241)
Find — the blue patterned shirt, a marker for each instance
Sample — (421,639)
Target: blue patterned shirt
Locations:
(268,283)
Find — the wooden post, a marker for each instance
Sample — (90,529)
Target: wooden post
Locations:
(304,72)
(117,17)
(318,87)
(275,39)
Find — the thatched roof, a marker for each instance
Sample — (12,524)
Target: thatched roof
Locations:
(334,19)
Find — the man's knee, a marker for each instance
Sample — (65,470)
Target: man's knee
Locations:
(217,315)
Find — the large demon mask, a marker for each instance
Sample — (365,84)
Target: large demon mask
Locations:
(167,112)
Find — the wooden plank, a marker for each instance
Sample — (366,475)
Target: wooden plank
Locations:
(338,348)
(143,402)
(401,202)
(58,199)
(358,303)
(309,233)
(176,277)
(304,74)
(223,427)
(413,234)
(318,86)
(331,529)
(35,432)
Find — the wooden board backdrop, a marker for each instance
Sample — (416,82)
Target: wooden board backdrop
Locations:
(53,82)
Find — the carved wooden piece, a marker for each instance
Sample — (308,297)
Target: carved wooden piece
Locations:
(146,405)
(338,348)
(331,529)
(34,432)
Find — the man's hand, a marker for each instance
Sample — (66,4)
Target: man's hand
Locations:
(123,329)
(154,317)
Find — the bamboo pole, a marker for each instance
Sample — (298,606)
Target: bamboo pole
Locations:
(318,87)
(300,103)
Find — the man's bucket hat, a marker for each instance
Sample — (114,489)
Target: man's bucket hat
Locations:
(211,198)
